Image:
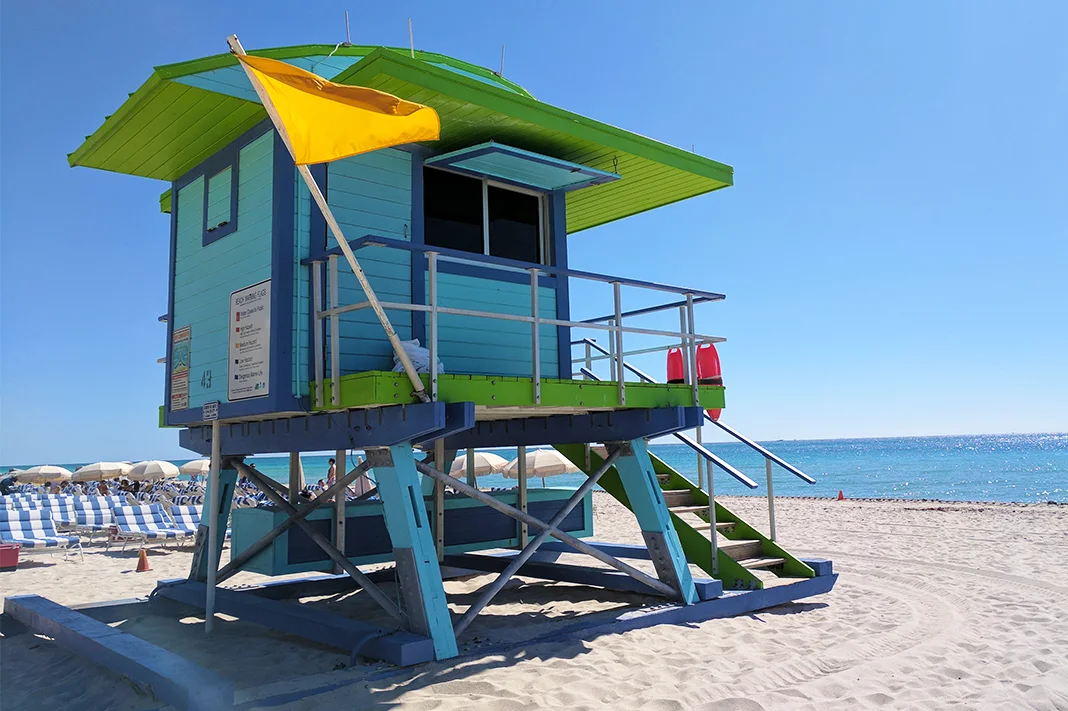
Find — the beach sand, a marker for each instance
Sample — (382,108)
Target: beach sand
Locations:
(939,606)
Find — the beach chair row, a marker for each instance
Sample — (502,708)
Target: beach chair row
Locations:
(37,528)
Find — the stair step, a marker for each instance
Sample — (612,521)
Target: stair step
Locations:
(742,550)
(687,509)
(724,525)
(679,497)
(662,478)
(763,562)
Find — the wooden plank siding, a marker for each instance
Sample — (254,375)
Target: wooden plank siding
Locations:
(483,346)
(371,194)
(204,277)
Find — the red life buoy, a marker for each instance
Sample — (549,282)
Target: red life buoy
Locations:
(708,370)
(676,371)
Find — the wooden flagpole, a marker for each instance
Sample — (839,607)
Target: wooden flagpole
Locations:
(335,229)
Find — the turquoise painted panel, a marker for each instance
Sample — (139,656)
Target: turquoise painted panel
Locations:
(204,277)
(485,346)
(371,194)
(232,81)
(302,207)
(484,80)
(219,186)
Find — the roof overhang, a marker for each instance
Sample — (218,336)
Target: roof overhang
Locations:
(514,165)
(168,127)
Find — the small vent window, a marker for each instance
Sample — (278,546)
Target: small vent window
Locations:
(220,204)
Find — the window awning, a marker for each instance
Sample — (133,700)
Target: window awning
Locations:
(515,165)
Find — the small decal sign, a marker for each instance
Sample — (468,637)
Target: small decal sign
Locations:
(210,411)
(249,361)
(179,364)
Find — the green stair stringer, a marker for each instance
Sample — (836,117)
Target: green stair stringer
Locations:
(697,547)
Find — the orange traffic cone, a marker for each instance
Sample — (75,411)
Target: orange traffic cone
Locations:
(841,496)
(142,562)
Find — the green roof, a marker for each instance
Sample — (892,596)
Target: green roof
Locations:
(186,112)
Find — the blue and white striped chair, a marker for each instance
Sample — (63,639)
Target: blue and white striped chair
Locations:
(93,515)
(34,531)
(62,508)
(188,518)
(24,503)
(145,522)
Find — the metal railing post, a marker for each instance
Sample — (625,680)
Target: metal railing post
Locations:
(712,518)
(317,301)
(693,350)
(771,501)
(589,360)
(535,328)
(700,461)
(684,345)
(335,337)
(432,338)
(618,338)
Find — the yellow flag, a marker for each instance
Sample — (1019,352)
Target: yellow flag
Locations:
(326,121)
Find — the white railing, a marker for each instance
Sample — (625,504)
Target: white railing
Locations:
(612,324)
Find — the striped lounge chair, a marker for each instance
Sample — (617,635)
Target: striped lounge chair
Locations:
(143,523)
(34,531)
(94,515)
(62,508)
(187,518)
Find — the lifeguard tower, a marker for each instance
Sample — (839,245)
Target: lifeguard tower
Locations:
(275,348)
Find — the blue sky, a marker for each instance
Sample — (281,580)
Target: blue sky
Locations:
(894,249)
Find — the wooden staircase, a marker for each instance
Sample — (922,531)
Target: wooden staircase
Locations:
(746,558)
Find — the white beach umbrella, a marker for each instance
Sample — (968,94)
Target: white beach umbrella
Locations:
(485,463)
(44,474)
(197,467)
(152,469)
(101,470)
(541,463)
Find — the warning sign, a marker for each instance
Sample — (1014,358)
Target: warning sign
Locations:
(179,363)
(249,362)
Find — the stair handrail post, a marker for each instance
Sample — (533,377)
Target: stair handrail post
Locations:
(712,517)
(771,500)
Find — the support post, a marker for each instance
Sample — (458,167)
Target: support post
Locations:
(413,547)
(618,337)
(469,461)
(335,333)
(771,501)
(213,524)
(439,499)
(317,307)
(296,476)
(535,327)
(339,505)
(647,501)
(522,496)
(432,328)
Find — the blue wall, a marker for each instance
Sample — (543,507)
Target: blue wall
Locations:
(204,276)
(483,346)
(371,194)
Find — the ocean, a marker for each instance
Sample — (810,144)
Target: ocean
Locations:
(1009,468)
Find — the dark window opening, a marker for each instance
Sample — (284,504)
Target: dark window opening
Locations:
(452,208)
(514,225)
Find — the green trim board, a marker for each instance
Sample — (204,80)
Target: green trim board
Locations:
(167,127)
(378,387)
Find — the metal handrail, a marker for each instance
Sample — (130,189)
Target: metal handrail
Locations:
(700,449)
(614,327)
(741,438)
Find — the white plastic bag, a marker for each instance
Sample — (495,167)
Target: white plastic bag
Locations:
(419,356)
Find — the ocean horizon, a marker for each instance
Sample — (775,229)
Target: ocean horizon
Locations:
(1013,468)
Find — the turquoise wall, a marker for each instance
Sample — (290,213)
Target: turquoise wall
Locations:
(302,208)
(204,277)
(483,346)
(372,194)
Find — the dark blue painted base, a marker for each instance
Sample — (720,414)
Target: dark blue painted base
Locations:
(580,574)
(172,678)
(355,637)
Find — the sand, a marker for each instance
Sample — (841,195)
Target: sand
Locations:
(939,606)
